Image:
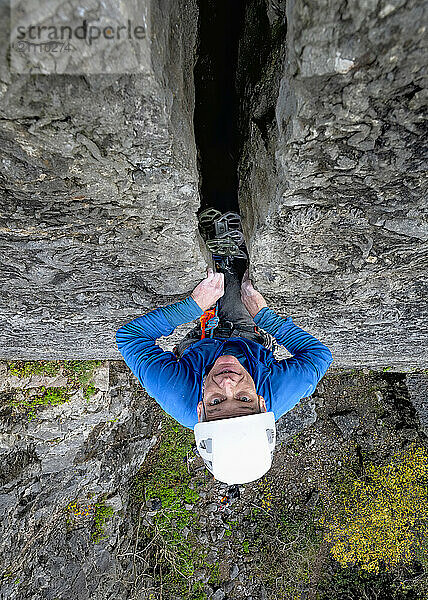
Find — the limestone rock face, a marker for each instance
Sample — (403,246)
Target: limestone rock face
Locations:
(99,195)
(332,185)
(57,470)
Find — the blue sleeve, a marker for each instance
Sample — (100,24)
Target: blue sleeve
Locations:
(296,377)
(173,384)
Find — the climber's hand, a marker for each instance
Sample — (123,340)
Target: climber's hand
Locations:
(251,298)
(209,290)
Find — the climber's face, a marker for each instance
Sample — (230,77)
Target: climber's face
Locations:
(229,391)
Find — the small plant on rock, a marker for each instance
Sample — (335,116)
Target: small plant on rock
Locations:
(79,513)
(80,374)
(29,405)
(27,368)
(102,513)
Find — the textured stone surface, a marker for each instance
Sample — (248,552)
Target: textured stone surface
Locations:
(81,451)
(417,384)
(80,37)
(99,196)
(300,418)
(332,174)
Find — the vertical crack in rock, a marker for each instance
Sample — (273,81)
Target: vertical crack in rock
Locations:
(216,102)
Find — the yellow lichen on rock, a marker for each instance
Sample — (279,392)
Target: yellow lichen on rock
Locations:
(383,517)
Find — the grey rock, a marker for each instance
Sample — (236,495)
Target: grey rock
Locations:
(347,422)
(211,557)
(201,575)
(99,191)
(302,416)
(332,181)
(68,455)
(234,572)
(203,538)
(417,384)
(218,595)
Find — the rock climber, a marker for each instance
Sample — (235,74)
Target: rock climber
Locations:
(224,382)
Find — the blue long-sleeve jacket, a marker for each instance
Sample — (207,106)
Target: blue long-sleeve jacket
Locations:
(177,384)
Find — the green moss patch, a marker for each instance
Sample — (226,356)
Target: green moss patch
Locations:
(102,513)
(29,401)
(80,374)
(30,405)
(27,368)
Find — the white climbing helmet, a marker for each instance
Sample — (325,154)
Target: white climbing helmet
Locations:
(237,450)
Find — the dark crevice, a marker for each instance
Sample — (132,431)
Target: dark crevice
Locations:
(358,451)
(259,65)
(217,103)
(240,56)
(397,396)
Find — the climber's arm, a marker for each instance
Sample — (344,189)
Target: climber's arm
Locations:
(296,377)
(172,383)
